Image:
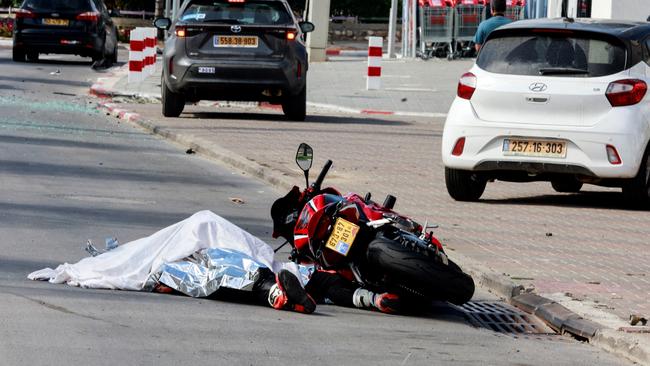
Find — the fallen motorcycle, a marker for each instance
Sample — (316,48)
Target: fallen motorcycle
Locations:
(367,242)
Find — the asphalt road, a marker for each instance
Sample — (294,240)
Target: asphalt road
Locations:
(69,173)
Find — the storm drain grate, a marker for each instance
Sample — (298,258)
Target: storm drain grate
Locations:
(503,318)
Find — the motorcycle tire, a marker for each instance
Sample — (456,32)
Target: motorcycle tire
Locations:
(420,273)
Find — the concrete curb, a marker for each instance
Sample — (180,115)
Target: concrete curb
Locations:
(346,53)
(555,315)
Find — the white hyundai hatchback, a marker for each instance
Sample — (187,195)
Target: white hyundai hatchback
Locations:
(557,100)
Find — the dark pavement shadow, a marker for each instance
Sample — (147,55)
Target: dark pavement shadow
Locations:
(603,200)
(318,118)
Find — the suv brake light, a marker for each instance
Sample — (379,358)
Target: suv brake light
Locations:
(181,32)
(467,85)
(24,14)
(626,92)
(291,36)
(89,16)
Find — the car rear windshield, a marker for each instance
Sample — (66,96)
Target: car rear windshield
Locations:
(57,5)
(248,12)
(552,55)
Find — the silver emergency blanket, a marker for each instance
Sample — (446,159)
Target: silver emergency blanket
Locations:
(195,256)
(208,270)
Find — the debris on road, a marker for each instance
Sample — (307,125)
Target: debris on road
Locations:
(190,151)
(57,72)
(237,200)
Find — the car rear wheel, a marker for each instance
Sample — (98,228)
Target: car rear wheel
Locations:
(172,103)
(32,56)
(567,185)
(637,190)
(464,185)
(295,106)
(18,54)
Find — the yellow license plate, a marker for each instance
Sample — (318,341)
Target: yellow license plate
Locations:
(49,21)
(342,236)
(235,41)
(538,148)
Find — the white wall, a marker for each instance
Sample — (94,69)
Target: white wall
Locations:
(621,9)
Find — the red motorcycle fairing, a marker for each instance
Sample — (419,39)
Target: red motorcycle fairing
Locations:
(311,224)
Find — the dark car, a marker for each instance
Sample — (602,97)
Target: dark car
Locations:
(78,27)
(235,50)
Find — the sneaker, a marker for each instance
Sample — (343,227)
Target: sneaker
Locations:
(288,294)
(387,303)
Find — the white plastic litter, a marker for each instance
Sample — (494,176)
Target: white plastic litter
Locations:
(128,266)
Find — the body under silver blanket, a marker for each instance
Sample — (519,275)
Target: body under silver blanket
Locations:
(211,269)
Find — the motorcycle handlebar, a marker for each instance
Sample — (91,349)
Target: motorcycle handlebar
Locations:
(322,175)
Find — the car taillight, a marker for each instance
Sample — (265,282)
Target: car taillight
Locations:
(626,92)
(236,1)
(466,85)
(24,14)
(291,36)
(89,16)
(181,32)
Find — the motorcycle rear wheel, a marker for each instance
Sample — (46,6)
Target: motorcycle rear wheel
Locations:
(419,272)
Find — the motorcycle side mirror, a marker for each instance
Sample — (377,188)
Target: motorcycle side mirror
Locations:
(304,159)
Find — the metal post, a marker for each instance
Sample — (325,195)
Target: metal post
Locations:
(539,6)
(405,29)
(175,9)
(168,5)
(392,26)
(414,24)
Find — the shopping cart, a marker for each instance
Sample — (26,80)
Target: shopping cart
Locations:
(515,9)
(468,14)
(435,29)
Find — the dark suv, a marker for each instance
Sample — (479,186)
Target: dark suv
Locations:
(236,50)
(78,27)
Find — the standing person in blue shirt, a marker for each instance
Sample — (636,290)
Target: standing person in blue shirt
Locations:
(498,9)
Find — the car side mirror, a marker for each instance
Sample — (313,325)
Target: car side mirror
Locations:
(306,27)
(162,23)
(304,159)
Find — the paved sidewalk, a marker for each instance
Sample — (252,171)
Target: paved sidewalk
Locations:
(584,250)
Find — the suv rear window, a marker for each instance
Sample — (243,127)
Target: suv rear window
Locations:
(57,5)
(551,55)
(249,12)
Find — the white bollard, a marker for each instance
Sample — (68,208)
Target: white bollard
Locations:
(374,63)
(136,56)
(150,50)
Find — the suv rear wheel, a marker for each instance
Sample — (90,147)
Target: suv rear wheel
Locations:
(295,106)
(18,54)
(172,103)
(464,185)
(637,190)
(32,56)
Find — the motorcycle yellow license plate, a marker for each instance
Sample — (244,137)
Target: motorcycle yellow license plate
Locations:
(342,236)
